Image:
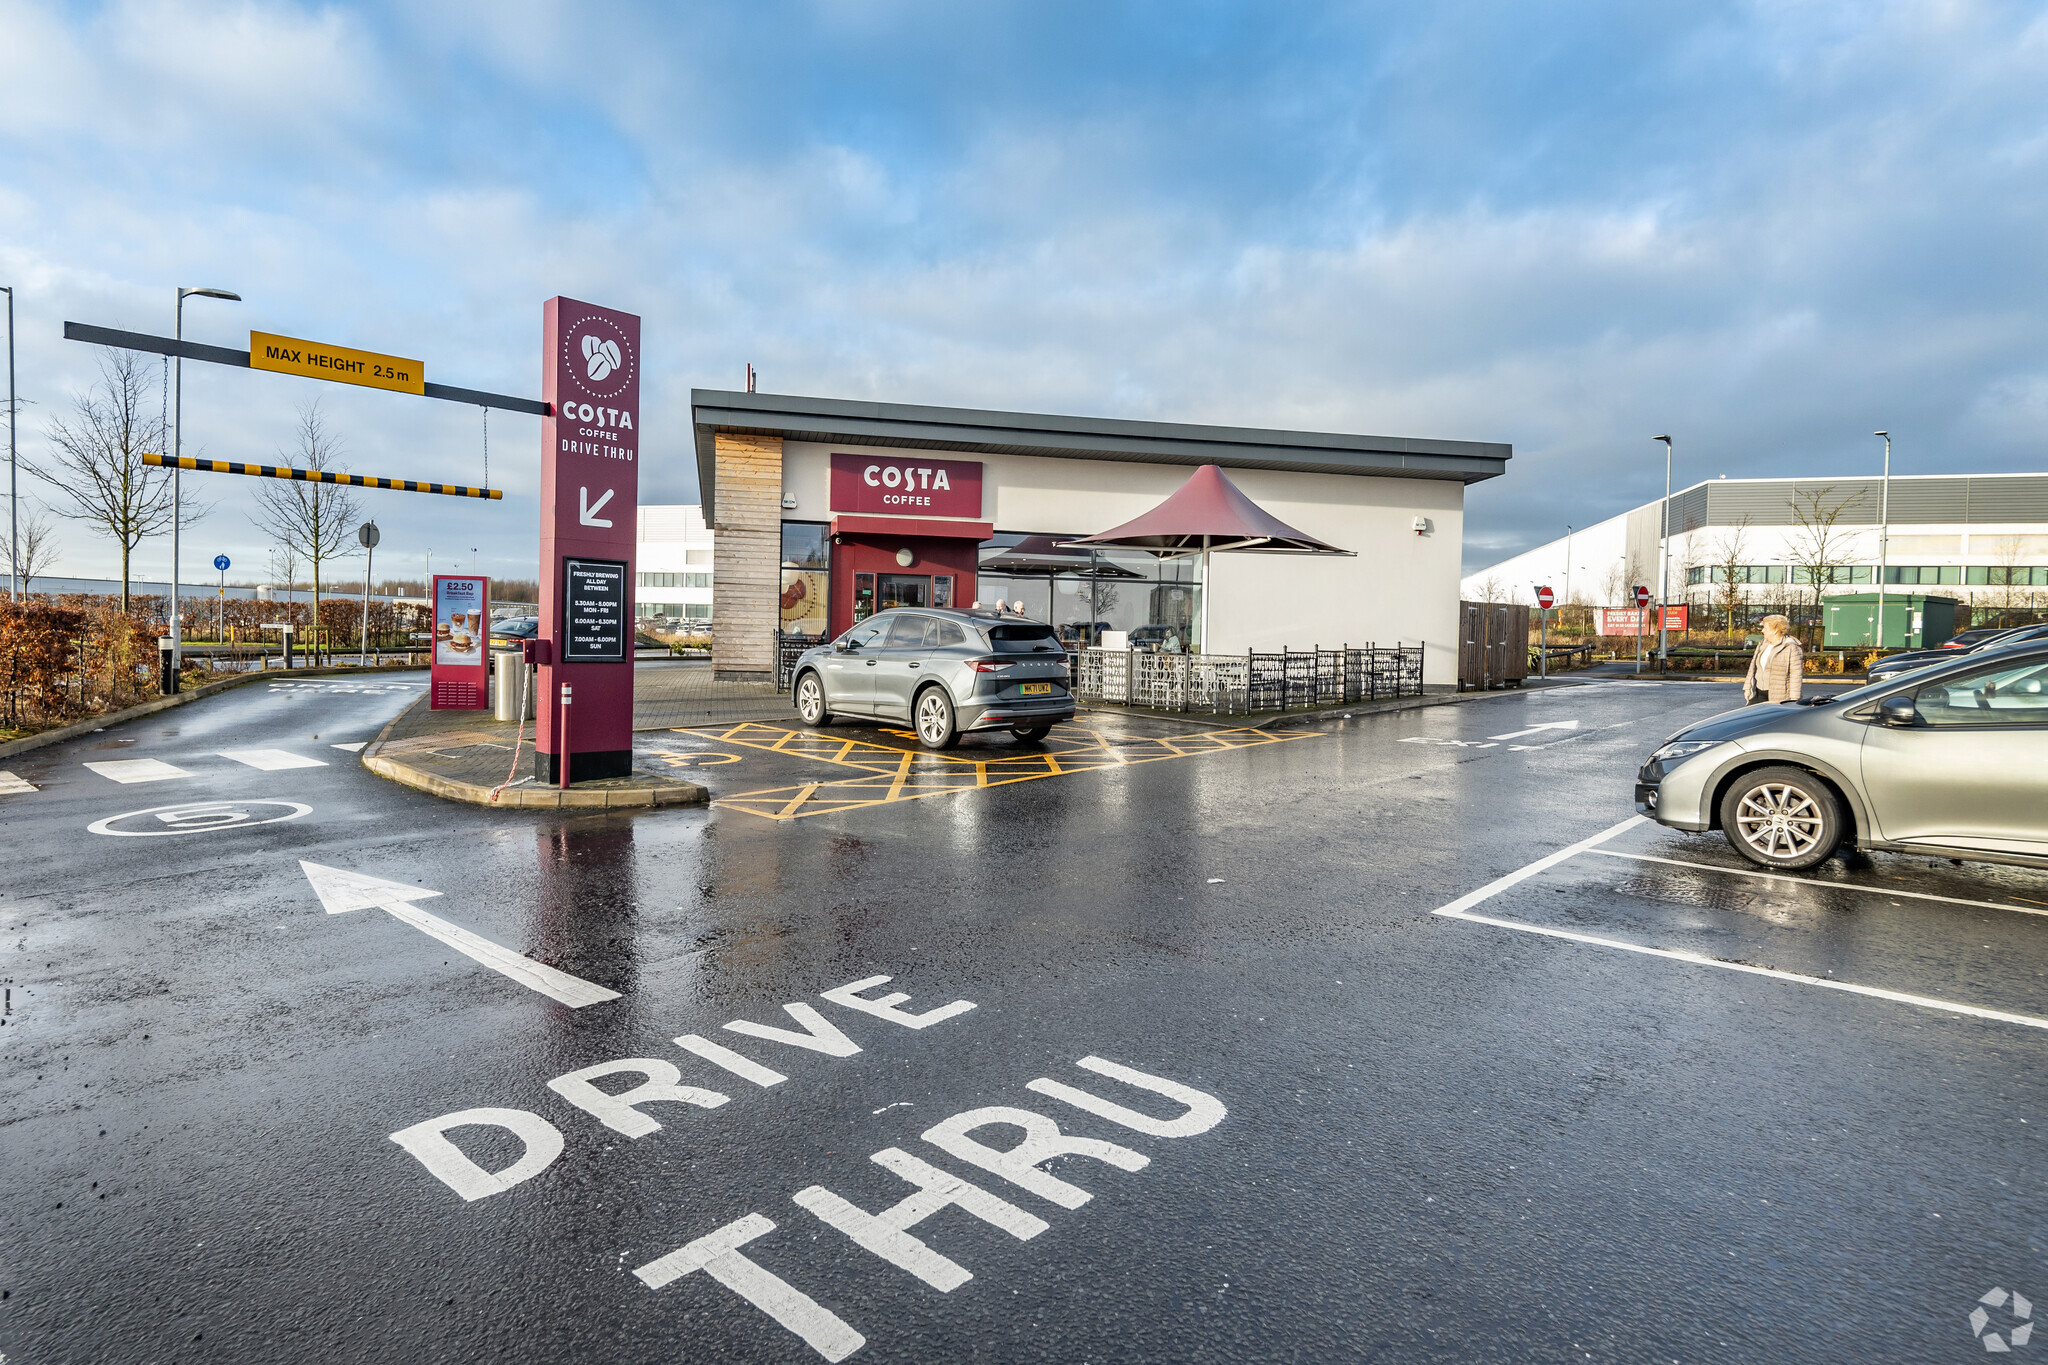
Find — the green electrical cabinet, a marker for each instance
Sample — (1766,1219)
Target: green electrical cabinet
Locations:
(1911,621)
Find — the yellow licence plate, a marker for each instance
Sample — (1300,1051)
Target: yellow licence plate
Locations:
(1036,689)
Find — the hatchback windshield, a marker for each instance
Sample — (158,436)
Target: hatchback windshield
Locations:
(1028,638)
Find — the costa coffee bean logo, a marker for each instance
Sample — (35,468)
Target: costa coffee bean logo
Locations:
(598,357)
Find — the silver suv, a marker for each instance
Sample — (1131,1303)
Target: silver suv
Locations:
(1949,760)
(942,670)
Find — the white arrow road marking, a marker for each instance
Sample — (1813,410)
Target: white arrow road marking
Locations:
(271,760)
(588,514)
(137,769)
(1537,729)
(354,748)
(10,785)
(341,891)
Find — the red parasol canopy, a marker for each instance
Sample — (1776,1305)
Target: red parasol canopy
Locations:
(1209,512)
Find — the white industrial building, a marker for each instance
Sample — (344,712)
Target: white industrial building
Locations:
(1979,538)
(675,564)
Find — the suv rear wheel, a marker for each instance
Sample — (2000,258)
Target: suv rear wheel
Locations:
(936,727)
(1782,818)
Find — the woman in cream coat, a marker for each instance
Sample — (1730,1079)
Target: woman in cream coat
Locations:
(1777,667)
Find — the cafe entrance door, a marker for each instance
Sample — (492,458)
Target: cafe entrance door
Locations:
(874,573)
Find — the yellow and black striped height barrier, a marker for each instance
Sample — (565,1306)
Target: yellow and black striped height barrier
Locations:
(282,471)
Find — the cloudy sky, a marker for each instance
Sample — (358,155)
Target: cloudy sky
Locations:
(1764,228)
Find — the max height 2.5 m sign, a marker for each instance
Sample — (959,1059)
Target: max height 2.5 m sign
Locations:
(589,514)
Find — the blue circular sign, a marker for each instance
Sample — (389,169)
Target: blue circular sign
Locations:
(221,562)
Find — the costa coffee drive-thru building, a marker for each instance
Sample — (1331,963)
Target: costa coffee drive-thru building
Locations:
(826,510)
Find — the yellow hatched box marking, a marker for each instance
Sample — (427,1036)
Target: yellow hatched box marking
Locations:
(887,775)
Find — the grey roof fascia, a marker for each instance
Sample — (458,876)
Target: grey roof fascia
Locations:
(989,432)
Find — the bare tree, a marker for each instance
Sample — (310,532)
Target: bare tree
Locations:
(284,568)
(309,520)
(96,460)
(1620,580)
(2008,569)
(36,552)
(1729,553)
(1822,550)
(1491,589)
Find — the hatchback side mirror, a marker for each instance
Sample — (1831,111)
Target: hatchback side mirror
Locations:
(1898,711)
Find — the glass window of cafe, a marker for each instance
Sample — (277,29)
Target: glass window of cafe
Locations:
(806,577)
(1083,591)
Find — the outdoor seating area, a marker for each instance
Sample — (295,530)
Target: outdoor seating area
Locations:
(1242,684)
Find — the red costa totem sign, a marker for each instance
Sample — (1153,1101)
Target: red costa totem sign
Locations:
(589,515)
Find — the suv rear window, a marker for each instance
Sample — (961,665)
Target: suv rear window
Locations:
(1029,638)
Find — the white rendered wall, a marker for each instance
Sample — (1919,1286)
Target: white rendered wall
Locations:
(1400,588)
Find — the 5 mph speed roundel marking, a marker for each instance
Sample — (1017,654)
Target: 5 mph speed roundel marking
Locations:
(200,817)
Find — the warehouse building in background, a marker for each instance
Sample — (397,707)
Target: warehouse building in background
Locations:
(675,565)
(1981,539)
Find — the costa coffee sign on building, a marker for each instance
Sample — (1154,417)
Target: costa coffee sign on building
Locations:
(892,485)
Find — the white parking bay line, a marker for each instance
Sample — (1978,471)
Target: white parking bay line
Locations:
(1832,886)
(1697,960)
(137,769)
(272,760)
(1461,909)
(10,785)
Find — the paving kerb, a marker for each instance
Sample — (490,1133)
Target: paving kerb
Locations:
(465,755)
(149,708)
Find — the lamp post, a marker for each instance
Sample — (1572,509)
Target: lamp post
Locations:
(1884,528)
(177,450)
(1664,562)
(1567,572)
(13,494)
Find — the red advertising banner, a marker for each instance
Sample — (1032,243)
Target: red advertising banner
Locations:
(906,486)
(589,514)
(460,677)
(1631,621)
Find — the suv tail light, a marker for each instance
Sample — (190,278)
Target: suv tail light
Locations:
(988,665)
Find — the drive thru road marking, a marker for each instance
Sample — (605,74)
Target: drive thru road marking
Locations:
(271,760)
(341,891)
(1461,909)
(137,769)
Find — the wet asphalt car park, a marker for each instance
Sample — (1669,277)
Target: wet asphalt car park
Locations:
(1393,1037)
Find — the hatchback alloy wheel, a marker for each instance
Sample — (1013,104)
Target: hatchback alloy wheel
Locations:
(1782,817)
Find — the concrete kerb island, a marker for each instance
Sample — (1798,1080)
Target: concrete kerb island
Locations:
(464,755)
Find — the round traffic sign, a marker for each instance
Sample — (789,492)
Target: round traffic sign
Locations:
(367,535)
(1642,596)
(221,562)
(1545,598)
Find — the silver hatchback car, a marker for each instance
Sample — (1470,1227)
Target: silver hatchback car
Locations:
(943,670)
(1949,760)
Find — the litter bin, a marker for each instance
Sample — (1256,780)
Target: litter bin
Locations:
(508,678)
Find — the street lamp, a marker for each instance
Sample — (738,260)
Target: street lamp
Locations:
(178,449)
(13,494)
(1664,562)
(1884,528)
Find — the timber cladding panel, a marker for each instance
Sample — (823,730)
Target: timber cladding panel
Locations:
(747,555)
